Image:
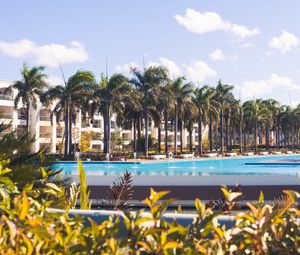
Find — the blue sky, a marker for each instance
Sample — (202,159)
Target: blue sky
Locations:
(253,44)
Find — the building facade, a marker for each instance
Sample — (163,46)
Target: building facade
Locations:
(49,132)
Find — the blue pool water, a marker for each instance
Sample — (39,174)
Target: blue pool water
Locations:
(226,166)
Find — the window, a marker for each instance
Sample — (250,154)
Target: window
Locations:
(112,124)
(97,124)
(45,115)
(96,136)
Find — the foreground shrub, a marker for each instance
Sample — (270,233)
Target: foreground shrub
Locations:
(28,227)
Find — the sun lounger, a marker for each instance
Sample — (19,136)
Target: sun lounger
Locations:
(157,157)
(276,152)
(230,154)
(211,155)
(249,153)
(186,156)
(289,152)
(263,153)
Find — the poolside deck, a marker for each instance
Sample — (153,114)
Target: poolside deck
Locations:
(201,192)
(290,162)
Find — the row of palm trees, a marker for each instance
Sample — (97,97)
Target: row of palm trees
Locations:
(149,95)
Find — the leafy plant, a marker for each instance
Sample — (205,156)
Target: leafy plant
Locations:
(121,191)
(28,225)
(85,203)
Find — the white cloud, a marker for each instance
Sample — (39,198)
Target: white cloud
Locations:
(205,22)
(278,87)
(199,71)
(126,67)
(217,54)
(285,42)
(247,45)
(196,71)
(48,54)
(173,68)
(53,80)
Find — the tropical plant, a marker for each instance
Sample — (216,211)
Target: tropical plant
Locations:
(29,226)
(147,82)
(132,115)
(203,100)
(224,96)
(256,112)
(110,99)
(271,122)
(68,99)
(181,92)
(29,88)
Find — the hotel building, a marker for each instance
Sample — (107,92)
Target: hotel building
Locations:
(49,132)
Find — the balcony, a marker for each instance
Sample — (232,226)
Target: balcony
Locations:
(45,118)
(6,115)
(59,135)
(45,135)
(6,97)
(96,136)
(85,125)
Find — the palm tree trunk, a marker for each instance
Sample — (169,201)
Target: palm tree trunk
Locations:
(267,138)
(134,135)
(146,130)
(70,133)
(66,146)
(227,135)
(210,134)
(245,141)
(221,134)
(277,137)
(255,136)
(181,136)
(159,139)
(240,138)
(166,134)
(27,117)
(175,130)
(199,136)
(293,137)
(105,134)
(216,137)
(108,130)
(191,137)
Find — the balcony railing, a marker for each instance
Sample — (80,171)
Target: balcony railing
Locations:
(5,97)
(45,135)
(84,124)
(22,117)
(5,115)
(59,135)
(45,118)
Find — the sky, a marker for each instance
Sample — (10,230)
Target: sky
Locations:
(252,44)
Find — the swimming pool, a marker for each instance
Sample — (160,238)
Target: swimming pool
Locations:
(197,167)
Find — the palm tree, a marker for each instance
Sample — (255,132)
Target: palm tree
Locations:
(110,95)
(273,107)
(132,113)
(224,97)
(147,82)
(29,88)
(163,109)
(68,99)
(181,91)
(256,112)
(238,120)
(203,100)
(289,122)
(190,117)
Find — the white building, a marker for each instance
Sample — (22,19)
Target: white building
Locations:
(49,133)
